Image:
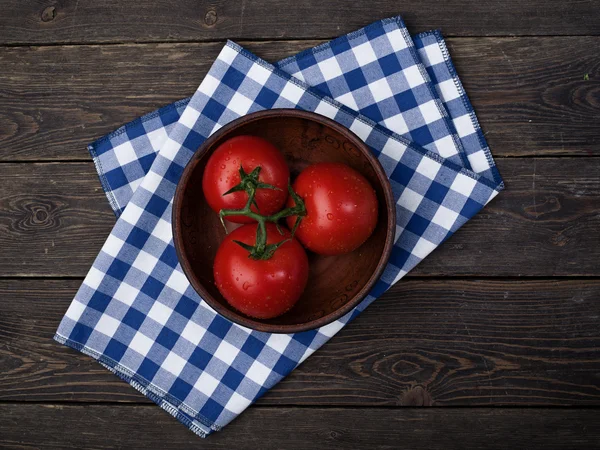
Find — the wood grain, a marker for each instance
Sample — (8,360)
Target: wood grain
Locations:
(72,21)
(105,426)
(426,342)
(530,94)
(54,219)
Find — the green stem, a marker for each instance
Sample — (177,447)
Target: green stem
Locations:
(261,249)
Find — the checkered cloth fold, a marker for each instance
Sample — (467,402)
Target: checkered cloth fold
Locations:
(137,314)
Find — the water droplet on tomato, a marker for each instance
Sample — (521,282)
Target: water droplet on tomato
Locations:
(237,279)
(222,166)
(330,216)
(227,158)
(246,285)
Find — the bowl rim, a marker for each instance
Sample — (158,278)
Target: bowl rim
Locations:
(239,318)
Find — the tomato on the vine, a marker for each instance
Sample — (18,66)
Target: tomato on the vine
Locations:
(261,288)
(341,208)
(242,163)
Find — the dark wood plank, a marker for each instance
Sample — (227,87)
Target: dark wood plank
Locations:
(71,21)
(54,218)
(51,426)
(426,342)
(530,93)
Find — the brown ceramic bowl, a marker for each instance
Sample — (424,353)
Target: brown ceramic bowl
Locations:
(336,283)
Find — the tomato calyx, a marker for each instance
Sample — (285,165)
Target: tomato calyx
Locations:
(254,252)
(250,184)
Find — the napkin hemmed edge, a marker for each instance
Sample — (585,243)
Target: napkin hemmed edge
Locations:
(465,98)
(145,388)
(441,42)
(93,148)
(112,200)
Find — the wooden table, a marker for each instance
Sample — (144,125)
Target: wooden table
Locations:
(505,314)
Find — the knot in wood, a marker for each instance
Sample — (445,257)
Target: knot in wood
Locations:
(48,14)
(210,18)
(33,215)
(417,396)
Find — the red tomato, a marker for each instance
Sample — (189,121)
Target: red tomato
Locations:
(341,208)
(262,289)
(222,173)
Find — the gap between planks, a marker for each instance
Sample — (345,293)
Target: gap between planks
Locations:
(275,39)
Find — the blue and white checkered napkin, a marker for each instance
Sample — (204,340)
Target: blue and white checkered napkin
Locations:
(137,314)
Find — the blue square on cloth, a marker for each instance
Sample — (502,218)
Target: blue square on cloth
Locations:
(80,333)
(169,257)
(137,237)
(134,318)
(152,287)
(406,100)
(136,129)
(436,193)
(174,173)
(146,162)
(389,64)
(252,347)
(266,98)
(180,389)
(470,208)
(115,350)
(219,326)
(284,365)
(355,79)
(186,307)
(213,110)
(148,369)
(117,178)
(211,409)
(233,78)
(200,358)
(99,301)
(167,338)
(157,206)
(232,378)
(118,269)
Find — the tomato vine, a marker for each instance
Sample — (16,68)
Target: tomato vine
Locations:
(250,184)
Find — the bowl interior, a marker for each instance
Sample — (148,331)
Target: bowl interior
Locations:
(334,281)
